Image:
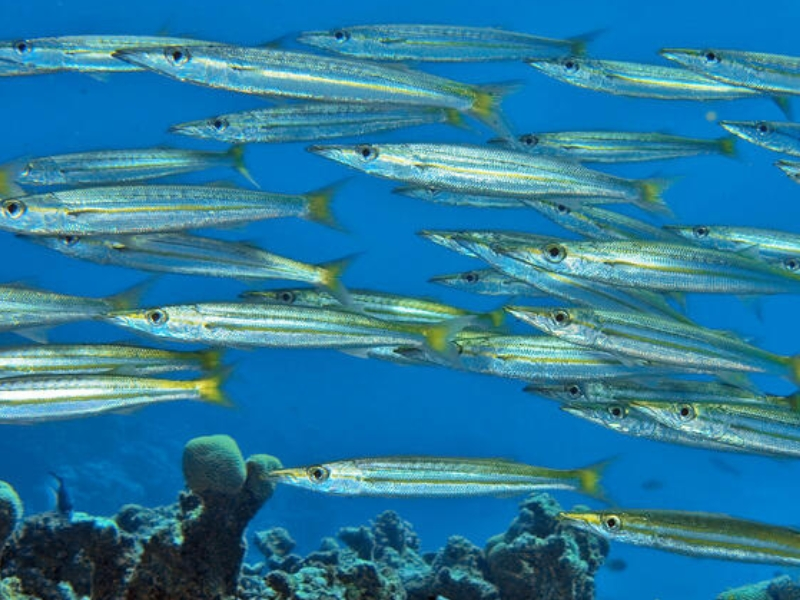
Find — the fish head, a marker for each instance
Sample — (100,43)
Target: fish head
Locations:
(762,133)
(791,168)
(71,245)
(448,239)
(22,215)
(682,416)
(340,39)
(175,61)
(708,60)
(619,416)
(214,128)
(170,322)
(369,158)
(22,57)
(572,391)
(607,524)
(570,69)
(557,321)
(700,234)
(466,280)
(327,478)
(289,296)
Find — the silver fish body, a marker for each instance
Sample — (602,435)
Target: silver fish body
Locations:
(489,282)
(772,245)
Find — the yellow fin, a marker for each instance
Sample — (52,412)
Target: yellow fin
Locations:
(236,154)
(331,278)
(210,388)
(131,297)
(210,360)
(440,335)
(319,205)
(486,106)
(590,479)
(727,146)
(651,191)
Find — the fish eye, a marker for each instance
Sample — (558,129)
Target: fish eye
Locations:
(793,264)
(156,316)
(318,474)
(712,57)
(22,46)
(459,348)
(367,152)
(701,231)
(555,253)
(612,523)
(561,317)
(14,208)
(26,171)
(574,391)
(220,124)
(341,35)
(763,128)
(686,412)
(471,277)
(529,139)
(571,65)
(178,56)
(563,209)
(287,297)
(70,240)
(617,411)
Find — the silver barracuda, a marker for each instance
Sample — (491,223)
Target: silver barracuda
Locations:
(771,245)
(381,305)
(657,340)
(489,282)
(658,390)
(81,53)
(492,171)
(449,198)
(659,266)
(116,166)
(747,427)
(438,43)
(694,534)
(623,146)
(759,71)
(272,72)
(120,359)
(313,121)
(432,476)
(112,210)
(791,168)
(36,399)
(493,248)
(263,324)
(639,79)
(773,135)
(195,255)
(24,308)
(630,420)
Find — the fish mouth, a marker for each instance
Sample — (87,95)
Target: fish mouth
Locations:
(734,127)
(578,518)
(322,150)
(677,54)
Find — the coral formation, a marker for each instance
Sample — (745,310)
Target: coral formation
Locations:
(781,588)
(195,549)
(10,511)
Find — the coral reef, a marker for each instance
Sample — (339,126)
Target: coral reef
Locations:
(194,549)
(781,588)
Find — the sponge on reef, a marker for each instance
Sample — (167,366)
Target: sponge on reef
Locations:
(10,511)
(258,483)
(215,464)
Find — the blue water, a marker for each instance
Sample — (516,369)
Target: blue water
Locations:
(310,406)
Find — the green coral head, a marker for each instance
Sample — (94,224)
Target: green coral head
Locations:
(214,463)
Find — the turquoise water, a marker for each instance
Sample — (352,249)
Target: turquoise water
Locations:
(312,406)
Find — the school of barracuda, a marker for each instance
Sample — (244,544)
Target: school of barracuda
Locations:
(617,349)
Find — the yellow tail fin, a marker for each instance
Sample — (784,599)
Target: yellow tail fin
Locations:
(210,388)
(210,360)
(496,317)
(440,335)
(650,195)
(486,106)
(331,278)
(590,479)
(794,368)
(236,154)
(319,205)
(727,146)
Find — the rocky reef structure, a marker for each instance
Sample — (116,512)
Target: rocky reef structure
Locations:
(781,588)
(194,549)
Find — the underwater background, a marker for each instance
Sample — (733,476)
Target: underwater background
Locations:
(307,406)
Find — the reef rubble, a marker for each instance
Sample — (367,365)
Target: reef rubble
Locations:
(195,549)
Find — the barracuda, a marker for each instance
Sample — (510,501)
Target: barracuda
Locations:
(639,80)
(694,534)
(72,359)
(195,255)
(81,53)
(659,266)
(112,210)
(263,324)
(623,146)
(488,282)
(780,247)
(657,340)
(758,71)
(493,171)
(791,168)
(381,305)
(429,476)
(438,43)
(115,166)
(37,399)
(780,137)
(313,121)
(267,71)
